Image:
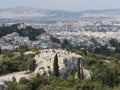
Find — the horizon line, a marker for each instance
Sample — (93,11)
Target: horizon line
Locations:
(60,9)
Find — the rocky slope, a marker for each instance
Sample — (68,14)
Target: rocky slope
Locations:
(67,62)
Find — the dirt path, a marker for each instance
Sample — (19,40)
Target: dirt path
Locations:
(17,75)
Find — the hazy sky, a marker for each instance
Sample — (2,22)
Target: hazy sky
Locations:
(71,5)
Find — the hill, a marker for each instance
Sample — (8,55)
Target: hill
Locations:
(22,30)
(32,15)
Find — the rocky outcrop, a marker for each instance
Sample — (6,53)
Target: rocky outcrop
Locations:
(67,62)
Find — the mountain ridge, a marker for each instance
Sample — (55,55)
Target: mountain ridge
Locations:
(27,15)
(38,9)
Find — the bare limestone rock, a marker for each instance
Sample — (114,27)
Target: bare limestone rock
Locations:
(67,62)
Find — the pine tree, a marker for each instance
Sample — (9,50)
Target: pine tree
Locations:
(81,69)
(78,68)
(55,66)
(85,51)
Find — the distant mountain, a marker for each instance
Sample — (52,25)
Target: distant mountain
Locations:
(106,11)
(32,15)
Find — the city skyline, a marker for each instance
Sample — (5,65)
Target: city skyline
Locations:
(67,5)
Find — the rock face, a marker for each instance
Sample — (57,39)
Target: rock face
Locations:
(67,62)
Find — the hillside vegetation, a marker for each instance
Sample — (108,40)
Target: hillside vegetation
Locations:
(105,76)
(26,31)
